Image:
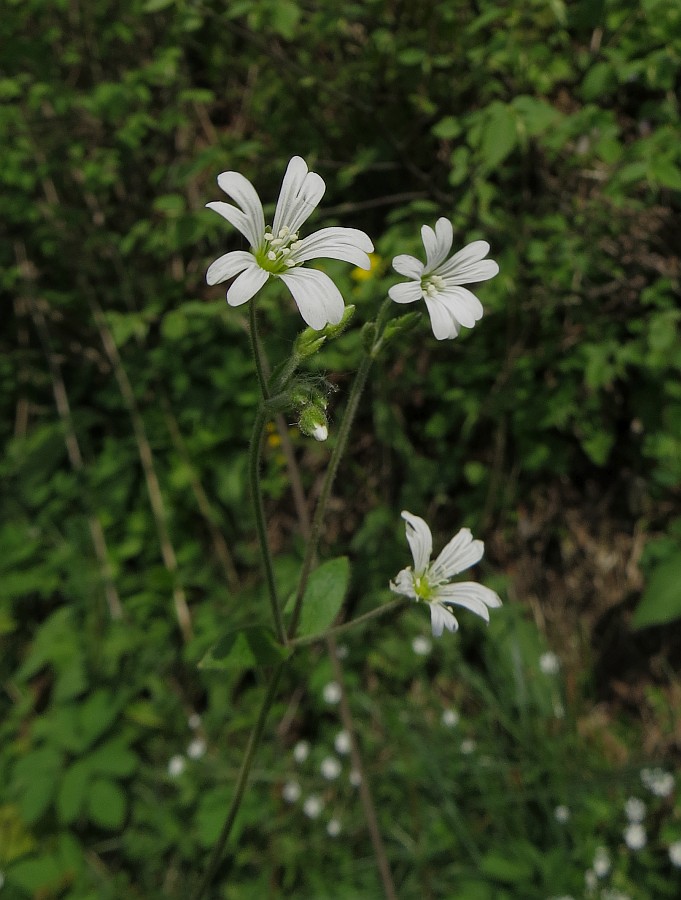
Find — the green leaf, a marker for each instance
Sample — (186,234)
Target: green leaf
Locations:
(245,648)
(661,600)
(324,596)
(107,804)
(72,791)
(499,135)
(113,758)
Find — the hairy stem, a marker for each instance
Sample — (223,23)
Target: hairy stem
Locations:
(242,781)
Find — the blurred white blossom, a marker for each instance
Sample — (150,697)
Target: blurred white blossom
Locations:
(635,809)
(194,721)
(176,765)
(342,743)
(450,718)
(421,645)
(635,836)
(330,768)
(196,748)
(658,781)
(562,813)
(333,828)
(332,692)
(291,791)
(312,806)
(355,778)
(301,751)
(675,854)
(601,863)
(549,663)
(468,746)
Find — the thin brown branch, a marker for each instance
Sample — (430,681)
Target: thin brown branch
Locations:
(146,458)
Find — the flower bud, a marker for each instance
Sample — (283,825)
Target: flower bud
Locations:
(313,423)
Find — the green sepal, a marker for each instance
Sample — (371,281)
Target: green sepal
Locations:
(400,325)
(368,336)
(245,648)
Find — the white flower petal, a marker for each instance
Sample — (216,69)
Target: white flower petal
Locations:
(406,292)
(459,554)
(420,541)
(242,191)
(408,266)
(348,244)
(228,266)
(469,266)
(236,218)
(404,584)
(246,285)
(471,595)
(463,305)
(438,243)
(317,297)
(440,618)
(444,325)
(300,194)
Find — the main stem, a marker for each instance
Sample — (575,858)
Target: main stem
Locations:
(320,511)
(242,781)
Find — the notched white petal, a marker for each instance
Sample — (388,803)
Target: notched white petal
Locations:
(406,292)
(317,297)
(408,266)
(441,618)
(459,554)
(246,285)
(420,541)
(228,266)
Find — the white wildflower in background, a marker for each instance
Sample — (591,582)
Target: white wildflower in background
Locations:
(291,791)
(342,651)
(450,718)
(431,582)
(601,863)
(549,663)
(561,813)
(675,854)
(439,281)
(278,251)
(312,806)
(635,809)
(196,748)
(590,880)
(355,778)
(194,721)
(658,781)
(421,645)
(332,692)
(330,768)
(468,746)
(635,836)
(333,828)
(176,766)
(301,751)
(342,743)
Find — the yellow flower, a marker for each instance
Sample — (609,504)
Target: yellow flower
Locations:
(366,274)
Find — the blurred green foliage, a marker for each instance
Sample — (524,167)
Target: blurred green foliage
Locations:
(548,128)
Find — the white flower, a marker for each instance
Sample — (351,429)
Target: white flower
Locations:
(291,791)
(635,836)
(468,746)
(330,768)
(562,813)
(439,282)
(278,252)
(342,743)
(355,777)
(194,721)
(301,751)
(658,781)
(549,663)
(430,582)
(602,862)
(312,806)
(196,748)
(333,828)
(176,766)
(675,854)
(635,809)
(332,692)
(421,645)
(450,718)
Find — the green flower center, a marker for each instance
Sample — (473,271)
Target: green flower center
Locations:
(422,588)
(431,285)
(274,254)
